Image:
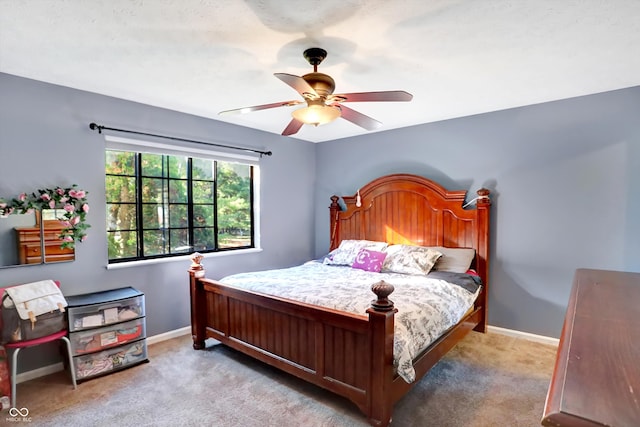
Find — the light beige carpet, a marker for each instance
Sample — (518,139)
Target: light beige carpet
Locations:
(487,380)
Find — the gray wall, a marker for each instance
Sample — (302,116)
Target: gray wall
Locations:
(564,176)
(565,182)
(45,141)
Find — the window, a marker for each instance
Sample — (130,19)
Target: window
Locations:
(163,205)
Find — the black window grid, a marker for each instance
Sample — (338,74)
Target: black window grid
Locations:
(166,211)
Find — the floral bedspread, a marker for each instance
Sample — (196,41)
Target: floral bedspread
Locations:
(427,305)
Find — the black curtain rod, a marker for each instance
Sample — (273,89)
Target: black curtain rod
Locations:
(100,128)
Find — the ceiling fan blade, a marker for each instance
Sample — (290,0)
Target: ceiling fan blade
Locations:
(296,82)
(261,107)
(358,118)
(293,127)
(386,96)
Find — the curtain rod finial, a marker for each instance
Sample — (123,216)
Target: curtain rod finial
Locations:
(94,126)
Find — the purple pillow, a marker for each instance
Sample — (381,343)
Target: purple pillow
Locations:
(369,260)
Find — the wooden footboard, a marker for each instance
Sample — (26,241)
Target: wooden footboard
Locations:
(349,355)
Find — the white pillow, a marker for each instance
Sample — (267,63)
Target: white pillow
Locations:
(346,253)
(409,259)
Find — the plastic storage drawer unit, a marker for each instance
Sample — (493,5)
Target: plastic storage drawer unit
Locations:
(107,331)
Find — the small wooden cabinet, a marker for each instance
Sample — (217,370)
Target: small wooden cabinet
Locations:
(30,250)
(107,331)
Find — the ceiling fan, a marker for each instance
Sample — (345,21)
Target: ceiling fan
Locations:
(323,106)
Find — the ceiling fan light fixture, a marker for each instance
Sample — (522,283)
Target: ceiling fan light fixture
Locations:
(323,106)
(316,114)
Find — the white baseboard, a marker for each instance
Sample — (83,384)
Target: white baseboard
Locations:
(169,335)
(524,335)
(56,367)
(47,370)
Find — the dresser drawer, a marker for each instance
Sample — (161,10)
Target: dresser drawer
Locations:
(108,313)
(111,360)
(93,340)
(32,253)
(54,248)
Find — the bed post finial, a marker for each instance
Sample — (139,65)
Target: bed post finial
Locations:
(196,259)
(483,195)
(382,290)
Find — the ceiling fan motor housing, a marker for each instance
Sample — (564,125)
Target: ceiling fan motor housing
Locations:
(323,84)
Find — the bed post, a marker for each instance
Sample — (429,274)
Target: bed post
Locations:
(483,206)
(334,210)
(198,301)
(381,330)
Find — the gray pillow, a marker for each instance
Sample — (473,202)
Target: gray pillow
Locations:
(455,260)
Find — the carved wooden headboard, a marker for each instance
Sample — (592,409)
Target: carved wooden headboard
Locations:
(410,209)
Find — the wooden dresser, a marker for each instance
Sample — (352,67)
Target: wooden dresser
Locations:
(596,380)
(29,250)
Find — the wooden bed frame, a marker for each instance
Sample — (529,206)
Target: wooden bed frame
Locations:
(351,355)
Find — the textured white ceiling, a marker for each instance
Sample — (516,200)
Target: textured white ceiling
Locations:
(457,57)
